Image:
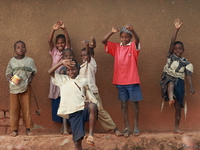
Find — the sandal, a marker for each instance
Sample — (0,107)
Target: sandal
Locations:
(90,140)
(171,102)
(14,134)
(126,132)
(117,132)
(136,132)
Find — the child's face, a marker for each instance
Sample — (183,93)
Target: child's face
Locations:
(84,56)
(60,44)
(72,72)
(67,55)
(178,50)
(20,49)
(125,38)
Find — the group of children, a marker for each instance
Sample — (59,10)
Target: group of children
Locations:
(73,89)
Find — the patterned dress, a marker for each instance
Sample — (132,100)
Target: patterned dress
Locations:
(174,71)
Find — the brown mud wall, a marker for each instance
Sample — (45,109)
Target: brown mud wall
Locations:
(32,21)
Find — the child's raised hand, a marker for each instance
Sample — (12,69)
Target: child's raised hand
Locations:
(85,42)
(56,26)
(177,23)
(115,30)
(68,63)
(62,26)
(129,27)
(92,39)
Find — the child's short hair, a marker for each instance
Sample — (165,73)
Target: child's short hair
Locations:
(60,36)
(68,49)
(179,42)
(124,29)
(91,50)
(19,42)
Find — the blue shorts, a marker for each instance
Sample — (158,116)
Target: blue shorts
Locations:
(130,92)
(77,121)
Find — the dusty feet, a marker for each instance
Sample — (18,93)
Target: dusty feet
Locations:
(90,140)
(178,132)
(136,132)
(171,102)
(117,132)
(14,133)
(126,132)
(28,132)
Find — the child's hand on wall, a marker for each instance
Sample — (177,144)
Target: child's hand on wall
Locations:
(114,30)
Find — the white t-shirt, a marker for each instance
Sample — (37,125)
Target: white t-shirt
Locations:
(73,94)
(88,71)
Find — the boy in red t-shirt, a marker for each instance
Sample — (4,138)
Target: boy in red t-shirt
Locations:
(126,75)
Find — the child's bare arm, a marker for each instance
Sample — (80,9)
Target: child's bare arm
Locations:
(8,77)
(93,44)
(136,37)
(177,24)
(86,42)
(189,78)
(31,77)
(68,43)
(105,39)
(65,62)
(50,40)
(52,70)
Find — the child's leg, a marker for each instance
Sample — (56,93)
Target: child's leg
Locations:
(64,127)
(124,109)
(25,100)
(93,117)
(136,111)
(78,145)
(105,119)
(170,89)
(14,114)
(178,110)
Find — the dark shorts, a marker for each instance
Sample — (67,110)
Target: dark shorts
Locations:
(77,121)
(130,92)
(179,88)
(55,106)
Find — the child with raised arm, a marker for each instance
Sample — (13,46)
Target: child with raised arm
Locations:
(88,70)
(126,77)
(62,42)
(172,81)
(20,72)
(74,93)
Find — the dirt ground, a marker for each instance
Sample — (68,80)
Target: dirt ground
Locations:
(56,141)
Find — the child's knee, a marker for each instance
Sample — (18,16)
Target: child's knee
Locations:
(124,104)
(92,107)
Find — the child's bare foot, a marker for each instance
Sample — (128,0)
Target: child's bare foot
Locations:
(171,102)
(14,133)
(117,132)
(126,132)
(28,132)
(178,132)
(65,133)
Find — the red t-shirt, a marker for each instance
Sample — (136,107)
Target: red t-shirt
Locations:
(125,64)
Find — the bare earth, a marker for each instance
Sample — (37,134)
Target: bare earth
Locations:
(146,141)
